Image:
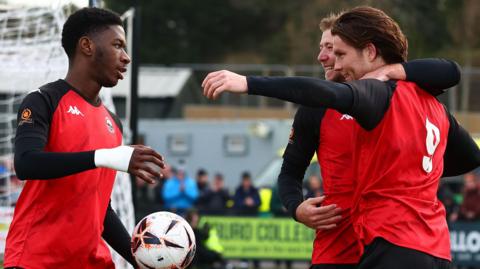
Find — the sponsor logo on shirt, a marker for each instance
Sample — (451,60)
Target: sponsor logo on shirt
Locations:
(109,125)
(346,117)
(25,117)
(74,111)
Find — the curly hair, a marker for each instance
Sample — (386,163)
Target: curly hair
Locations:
(85,22)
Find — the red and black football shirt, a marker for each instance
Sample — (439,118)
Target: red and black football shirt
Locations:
(371,102)
(331,135)
(58,223)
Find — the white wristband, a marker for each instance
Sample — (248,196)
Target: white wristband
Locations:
(115,158)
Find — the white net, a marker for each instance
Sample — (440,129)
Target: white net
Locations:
(31,55)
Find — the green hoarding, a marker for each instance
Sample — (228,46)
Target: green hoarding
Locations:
(262,238)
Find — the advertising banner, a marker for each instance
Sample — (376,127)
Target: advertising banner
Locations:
(262,238)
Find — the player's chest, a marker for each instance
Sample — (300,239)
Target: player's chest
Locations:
(337,129)
(81,126)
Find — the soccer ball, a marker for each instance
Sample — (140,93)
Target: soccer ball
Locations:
(163,240)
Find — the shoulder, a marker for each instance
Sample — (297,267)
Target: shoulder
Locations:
(54,90)
(372,84)
(48,94)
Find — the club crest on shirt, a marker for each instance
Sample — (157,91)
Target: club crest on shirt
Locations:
(25,117)
(109,125)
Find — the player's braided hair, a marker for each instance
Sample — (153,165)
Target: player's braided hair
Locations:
(363,25)
(84,22)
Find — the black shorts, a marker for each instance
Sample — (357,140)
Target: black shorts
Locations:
(381,254)
(333,266)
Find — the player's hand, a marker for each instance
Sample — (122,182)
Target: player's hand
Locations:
(312,214)
(144,163)
(217,82)
(387,72)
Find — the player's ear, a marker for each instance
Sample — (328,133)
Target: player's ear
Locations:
(371,51)
(86,46)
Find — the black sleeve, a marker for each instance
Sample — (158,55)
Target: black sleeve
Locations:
(305,91)
(462,153)
(302,144)
(433,75)
(371,99)
(115,234)
(31,160)
(366,100)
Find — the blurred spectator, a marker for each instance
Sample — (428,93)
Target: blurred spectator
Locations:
(180,193)
(247,199)
(203,188)
(276,206)
(146,195)
(470,207)
(205,256)
(314,187)
(447,197)
(216,198)
(278,210)
(167,173)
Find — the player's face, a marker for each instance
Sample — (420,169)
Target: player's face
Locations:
(351,62)
(327,58)
(110,59)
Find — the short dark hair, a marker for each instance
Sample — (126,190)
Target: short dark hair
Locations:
(201,172)
(219,176)
(246,175)
(362,25)
(84,22)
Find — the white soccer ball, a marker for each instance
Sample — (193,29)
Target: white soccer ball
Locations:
(163,240)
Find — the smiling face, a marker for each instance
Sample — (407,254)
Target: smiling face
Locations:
(327,58)
(110,58)
(351,62)
(364,39)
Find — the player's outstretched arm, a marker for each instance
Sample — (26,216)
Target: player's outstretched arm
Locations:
(365,100)
(306,91)
(220,81)
(434,75)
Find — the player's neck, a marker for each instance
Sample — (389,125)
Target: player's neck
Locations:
(377,63)
(82,81)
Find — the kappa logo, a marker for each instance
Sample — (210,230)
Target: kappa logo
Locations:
(74,110)
(346,117)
